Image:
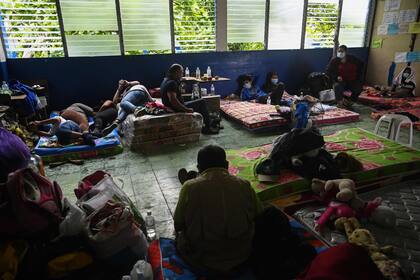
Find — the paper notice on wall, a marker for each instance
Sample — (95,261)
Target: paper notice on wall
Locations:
(413,56)
(376,44)
(393,29)
(383,29)
(390,17)
(403,28)
(414,27)
(392,5)
(407,16)
(400,57)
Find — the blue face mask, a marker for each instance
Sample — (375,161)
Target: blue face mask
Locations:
(274,81)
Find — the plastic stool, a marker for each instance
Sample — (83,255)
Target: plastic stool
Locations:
(395,121)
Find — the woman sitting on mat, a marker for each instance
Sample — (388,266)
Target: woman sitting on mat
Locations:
(273,87)
(251,92)
(404,84)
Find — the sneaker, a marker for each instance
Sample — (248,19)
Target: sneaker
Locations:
(140,111)
(107,130)
(209,130)
(182,175)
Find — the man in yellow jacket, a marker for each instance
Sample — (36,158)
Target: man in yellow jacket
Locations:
(214,217)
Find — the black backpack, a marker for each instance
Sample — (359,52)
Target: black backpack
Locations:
(316,82)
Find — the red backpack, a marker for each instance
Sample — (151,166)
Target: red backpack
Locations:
(32,205)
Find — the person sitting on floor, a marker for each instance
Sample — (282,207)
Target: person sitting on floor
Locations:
(172,98)
(273,87)
(70,126)
(132,97)
(345,71)
(251,92)
(214,217)
(404,84)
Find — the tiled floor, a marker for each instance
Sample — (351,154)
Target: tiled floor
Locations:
(150,180)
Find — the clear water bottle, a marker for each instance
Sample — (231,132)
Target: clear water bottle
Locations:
(150,226)
(269,100)
(208,71)
(126,277)
(5,88)
(187,72)
(197,73)
(212,90)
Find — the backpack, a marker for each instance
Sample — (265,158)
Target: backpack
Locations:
(31,205)
(31,103)
(317,82)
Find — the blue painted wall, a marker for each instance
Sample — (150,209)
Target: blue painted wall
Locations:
(91,79)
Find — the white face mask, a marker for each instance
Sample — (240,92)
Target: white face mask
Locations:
(341,54)
(275,81)
(405,75)
(247,85)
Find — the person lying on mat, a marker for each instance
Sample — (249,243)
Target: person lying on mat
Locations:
(214,216)
(106,115)
(273,87)
(70,126)
(132,97)
(404,84)
(345,71)
(172,98)
(251,92)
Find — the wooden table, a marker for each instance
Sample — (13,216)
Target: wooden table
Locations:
(194,79)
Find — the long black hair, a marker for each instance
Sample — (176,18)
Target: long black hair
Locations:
(240,81)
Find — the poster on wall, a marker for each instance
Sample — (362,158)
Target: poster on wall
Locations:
(414,27)
(393,29)
(400,57)
(376,43)
(413,56)
(392,5)
(390,17)
(407,16)
(403,28)
(383,29)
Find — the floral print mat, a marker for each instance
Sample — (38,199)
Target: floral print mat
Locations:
(381,158)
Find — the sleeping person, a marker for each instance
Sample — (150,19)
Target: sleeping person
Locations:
(250,92)
(273,87)
(132,97)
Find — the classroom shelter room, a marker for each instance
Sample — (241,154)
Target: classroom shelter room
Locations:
(210,139)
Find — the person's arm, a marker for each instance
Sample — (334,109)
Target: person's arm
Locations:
(332,70)
(122,85)
(87,110)
(53,121)
(179,215)
(133,83)
(260,93)
(178,106)
(246,95)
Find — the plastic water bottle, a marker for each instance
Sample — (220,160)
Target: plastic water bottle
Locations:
(5,88)
(212,90)
(150,226)
(269,100)
(208,71)
(197,73)
(126,277)
(195,92)
(187,72)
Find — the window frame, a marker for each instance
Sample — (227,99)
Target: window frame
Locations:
(221,26)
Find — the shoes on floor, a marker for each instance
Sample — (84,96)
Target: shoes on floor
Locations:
(140,111)
(107,130)
(184,175)
(210,130)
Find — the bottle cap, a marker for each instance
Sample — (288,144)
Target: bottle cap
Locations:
(149,212)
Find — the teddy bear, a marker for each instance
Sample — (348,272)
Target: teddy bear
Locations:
(342,193)
(390,269)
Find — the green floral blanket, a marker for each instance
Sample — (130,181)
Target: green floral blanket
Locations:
(381,158)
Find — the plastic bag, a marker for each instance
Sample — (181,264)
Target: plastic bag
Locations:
(142,270)
(327,95)
(74,220)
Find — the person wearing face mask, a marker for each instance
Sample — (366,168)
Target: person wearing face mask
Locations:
(273,87)
(404,84)
(345,71)
(172,98)
(252,93)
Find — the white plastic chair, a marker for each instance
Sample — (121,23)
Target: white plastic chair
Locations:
(395,121)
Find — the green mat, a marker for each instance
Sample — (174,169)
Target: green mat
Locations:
(381,159)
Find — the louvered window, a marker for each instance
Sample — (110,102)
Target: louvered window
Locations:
(30,29)
(146,26)
(321,22)
(354,22)
(285,28)
(195,26)
(90,27)
(245,24)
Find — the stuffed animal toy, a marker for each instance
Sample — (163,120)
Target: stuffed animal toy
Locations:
(390,269)
(344,191)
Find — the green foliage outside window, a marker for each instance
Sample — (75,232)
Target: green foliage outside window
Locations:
(255,46)
(321,24)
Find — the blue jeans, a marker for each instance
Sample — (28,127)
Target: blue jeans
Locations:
(130,102)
